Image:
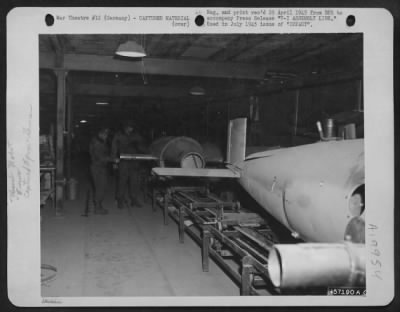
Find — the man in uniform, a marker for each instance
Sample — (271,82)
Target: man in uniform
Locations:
(128,142)
(100,156)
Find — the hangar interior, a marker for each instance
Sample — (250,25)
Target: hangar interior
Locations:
(186,86)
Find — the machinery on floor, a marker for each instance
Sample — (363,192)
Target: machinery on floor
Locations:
(237,240)
(181,152)
(316,191)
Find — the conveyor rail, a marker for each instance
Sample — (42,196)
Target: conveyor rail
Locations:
(219,238)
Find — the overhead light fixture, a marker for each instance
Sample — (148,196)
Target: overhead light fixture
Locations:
(130,49)
(102,103)
(197,90)
(83,121)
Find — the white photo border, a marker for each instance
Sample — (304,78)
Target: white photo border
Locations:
(24,25)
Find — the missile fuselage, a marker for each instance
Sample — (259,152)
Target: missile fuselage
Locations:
(308,188)
(317,191)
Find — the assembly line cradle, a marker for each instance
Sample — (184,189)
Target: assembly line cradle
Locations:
(237,241)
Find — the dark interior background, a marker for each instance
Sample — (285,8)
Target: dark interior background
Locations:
(294,80)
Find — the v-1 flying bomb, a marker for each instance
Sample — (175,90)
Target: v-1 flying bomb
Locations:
(314,190)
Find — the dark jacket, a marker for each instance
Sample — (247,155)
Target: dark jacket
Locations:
(99,152)
(127,144)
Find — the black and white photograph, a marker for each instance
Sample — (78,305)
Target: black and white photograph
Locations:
(201,164)
(250,144)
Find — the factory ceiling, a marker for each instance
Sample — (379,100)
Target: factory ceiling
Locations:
(225,66)
(173,59)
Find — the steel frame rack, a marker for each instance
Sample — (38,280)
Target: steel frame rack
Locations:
(202,215)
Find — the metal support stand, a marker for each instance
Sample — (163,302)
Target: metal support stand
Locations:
(237,235)
(247,276)
(181,225)
(153,199)
(61,99)
(166,203)
(205,249)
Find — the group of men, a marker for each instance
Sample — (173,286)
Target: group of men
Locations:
(129,141)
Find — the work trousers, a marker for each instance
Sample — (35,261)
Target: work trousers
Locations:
(128,178)
(99,178)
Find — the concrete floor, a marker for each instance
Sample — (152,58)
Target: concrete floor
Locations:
(125,253)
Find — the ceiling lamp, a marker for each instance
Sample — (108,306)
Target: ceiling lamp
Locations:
(102,103)
(130,49)
(83,121)
(197,90)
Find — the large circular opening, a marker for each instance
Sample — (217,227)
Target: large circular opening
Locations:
(357,201)
(275,267)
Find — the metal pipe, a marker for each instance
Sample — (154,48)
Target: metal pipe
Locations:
(253,238)
(320,131)
(252,251)
(329,128)
(317,265)
(137,157)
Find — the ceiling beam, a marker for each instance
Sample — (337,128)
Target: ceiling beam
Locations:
(129,91)
(155,66)
(311,81)
(146,91)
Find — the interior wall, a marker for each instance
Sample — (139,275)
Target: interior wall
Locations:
(207,119)
(280,124)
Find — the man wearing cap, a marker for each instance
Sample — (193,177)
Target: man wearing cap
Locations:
(100,156)
(128,142)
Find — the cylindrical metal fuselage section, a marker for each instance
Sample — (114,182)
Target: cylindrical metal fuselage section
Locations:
(181,152)
(308,188)
(317,265)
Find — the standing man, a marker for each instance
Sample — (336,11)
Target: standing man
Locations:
(128,142)
(100,156)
